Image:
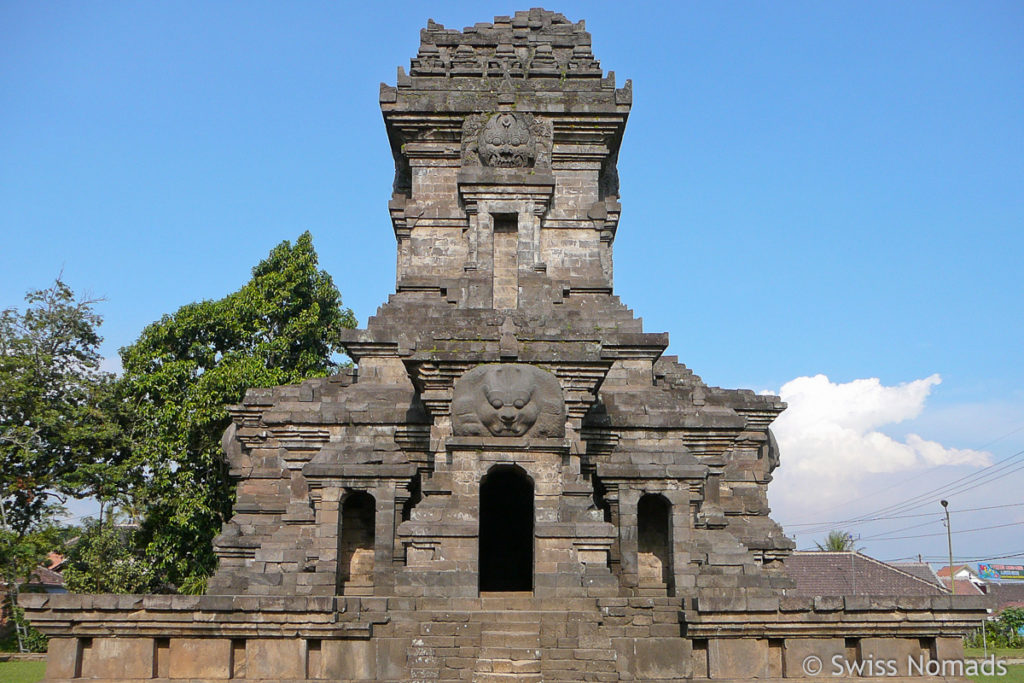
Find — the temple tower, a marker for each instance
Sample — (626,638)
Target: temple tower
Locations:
(513,483)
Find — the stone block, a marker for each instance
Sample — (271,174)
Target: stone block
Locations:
(391,659)
(118,658)
(61,658)
(354,660)
(797,651)
(275,658)
(206,658)
(949,649)
(738,658)
(891,654)
(662,658)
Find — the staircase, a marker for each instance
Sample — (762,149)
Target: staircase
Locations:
(509,648)
(503,637)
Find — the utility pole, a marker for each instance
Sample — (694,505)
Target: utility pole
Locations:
(949,539)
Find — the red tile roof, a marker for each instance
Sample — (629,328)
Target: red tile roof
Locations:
(944,571)
(964,587)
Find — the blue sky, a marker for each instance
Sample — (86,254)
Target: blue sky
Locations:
(808,189)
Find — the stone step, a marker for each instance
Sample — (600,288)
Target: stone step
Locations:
(519,654)
(503,639)
(507,678)
(532,626)
(508,666)
(501,602)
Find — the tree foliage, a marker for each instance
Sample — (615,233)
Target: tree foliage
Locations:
(1006,630)
(58,433)
(21,552)
(105,558)
(56,425)
(281,327)
(838,541)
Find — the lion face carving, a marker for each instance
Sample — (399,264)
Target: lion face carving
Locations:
(508,400)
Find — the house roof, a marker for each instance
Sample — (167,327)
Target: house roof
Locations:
(42,576)
(921,570)
(851,573)
(957,568)
(964,587)
(1005,594)
(56,561)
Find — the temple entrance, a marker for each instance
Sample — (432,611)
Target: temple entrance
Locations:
(355,561)
(506,530)
(654,541)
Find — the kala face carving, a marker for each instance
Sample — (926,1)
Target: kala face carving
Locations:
(508,400)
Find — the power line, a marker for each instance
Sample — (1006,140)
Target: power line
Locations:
(953,488)
(961,560)
(896,531)
(962,531)
(961,485)
(945,489)
(883,518)
(912,477)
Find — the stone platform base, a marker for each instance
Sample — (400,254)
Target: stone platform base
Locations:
(512,637)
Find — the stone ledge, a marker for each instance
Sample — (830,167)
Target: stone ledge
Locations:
(229,616)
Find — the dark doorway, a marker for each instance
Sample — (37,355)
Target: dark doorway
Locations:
(654,563)
(355,561)
(506,530)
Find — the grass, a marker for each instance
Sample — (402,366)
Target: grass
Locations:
(1014,674)
(999,652)
(31,672)
(22,672)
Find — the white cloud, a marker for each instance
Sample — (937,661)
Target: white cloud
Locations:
(830,441)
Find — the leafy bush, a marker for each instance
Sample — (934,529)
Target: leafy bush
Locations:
(1003,631)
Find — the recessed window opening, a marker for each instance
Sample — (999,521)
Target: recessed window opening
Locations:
(355,559)
(506,260)
(654,561)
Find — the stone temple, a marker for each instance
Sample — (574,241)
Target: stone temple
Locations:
(514,483)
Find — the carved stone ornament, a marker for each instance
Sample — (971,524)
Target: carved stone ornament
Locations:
(508,400)
(506,140)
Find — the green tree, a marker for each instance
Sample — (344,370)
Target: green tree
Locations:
(20,553)
(105,558)
(56,430)
(282,327)
(838,541)
(1011,626)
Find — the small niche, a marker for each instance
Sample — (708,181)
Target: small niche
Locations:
(700,657)
(161,657)
(927,648)
(852,649)
(314,659)
(775,648)
(238,658)
(84,652)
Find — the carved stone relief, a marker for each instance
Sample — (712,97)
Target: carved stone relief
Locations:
(506,140)
(508,400)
